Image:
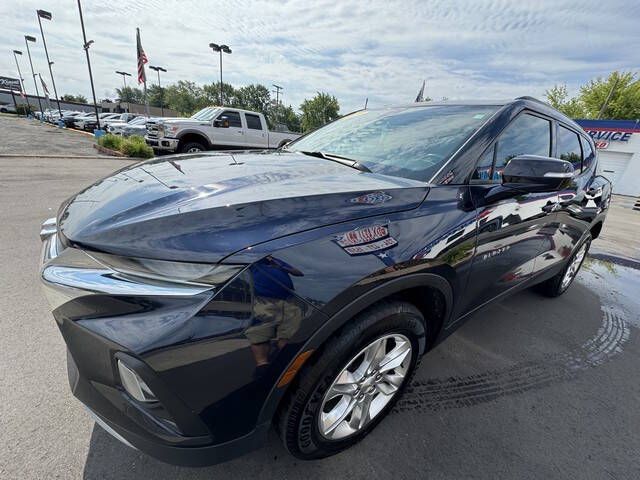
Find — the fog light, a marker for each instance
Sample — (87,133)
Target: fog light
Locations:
(134,385)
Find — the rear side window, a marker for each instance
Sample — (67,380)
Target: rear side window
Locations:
(569,148)
(253,121)
(526,135)
(234,118)
(588,153)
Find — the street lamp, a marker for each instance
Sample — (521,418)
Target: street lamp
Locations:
(86,46)
(158,70)
(15,53)
(124,83)
(47,16)
(27,39)
(220,48)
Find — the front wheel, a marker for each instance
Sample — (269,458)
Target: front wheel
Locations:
(192,147)
(557,285)
(353,382)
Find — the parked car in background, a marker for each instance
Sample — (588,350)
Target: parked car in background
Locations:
(205,298)
(70,118)
(7,108)
(134,127)
(215,128)
(118,118)
(90,123)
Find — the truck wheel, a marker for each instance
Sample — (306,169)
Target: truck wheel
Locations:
(353,382)
(192,147)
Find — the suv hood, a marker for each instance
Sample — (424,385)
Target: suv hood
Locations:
(204,207)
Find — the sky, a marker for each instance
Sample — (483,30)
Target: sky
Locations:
(380,50)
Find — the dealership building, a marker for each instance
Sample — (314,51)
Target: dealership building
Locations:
(618,144)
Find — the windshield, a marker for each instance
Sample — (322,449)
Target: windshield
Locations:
(206,114)
(409,142)
(137,121)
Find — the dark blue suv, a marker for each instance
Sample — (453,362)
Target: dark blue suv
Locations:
(207,297)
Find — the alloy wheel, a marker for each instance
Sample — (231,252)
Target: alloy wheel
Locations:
(574,266)
(365,386)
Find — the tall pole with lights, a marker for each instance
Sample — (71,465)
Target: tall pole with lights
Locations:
(124,84)
(222,49)
(158,70)
(24,90)
(86,46)
(47,16)
(27,39)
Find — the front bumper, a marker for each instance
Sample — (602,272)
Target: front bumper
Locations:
(82,292)
(162,143)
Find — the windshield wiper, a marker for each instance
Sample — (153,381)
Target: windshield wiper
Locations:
(349,162)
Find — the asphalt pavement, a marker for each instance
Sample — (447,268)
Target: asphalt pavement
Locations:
(528,388)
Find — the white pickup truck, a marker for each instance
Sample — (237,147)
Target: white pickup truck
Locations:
(215,128)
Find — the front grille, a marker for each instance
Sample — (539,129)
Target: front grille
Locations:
(153,130)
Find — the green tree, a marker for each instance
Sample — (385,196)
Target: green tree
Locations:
(130,95)
(254,97)
(73,98)
(211,94)
(558,98)
(318,111)
(155,95)
(281,115)
(624,102)
(184,97)
(617,97)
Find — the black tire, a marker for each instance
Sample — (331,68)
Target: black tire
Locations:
(193,147)
(553,287)
(297,418)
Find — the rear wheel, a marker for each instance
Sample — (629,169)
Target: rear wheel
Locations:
(353,382)
(192,147)
(560,283)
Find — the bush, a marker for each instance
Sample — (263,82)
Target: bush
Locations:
(114,142)
(134,146)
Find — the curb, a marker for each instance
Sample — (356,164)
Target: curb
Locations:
(618,260)
(76,157)
(109,151)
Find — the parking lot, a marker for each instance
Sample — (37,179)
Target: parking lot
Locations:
(529,388)
(21,136)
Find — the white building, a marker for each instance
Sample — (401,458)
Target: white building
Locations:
(618,144)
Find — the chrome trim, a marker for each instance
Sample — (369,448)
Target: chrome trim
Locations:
(48,228)
(558,175)
(107,428)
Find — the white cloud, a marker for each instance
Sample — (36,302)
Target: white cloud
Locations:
(352,49)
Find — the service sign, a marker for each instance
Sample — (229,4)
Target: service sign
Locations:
(602,137)
(8,83)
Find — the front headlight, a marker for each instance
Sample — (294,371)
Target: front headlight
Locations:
(176,272)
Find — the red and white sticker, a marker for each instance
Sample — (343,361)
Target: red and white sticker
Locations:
(371,247)
(362,235)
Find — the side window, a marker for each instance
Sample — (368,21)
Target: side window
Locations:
(569,148)
(589,154)
(526,135)
(253,121)
(482,172)
(234,118)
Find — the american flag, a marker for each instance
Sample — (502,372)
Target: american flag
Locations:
(44,87)
(142,59)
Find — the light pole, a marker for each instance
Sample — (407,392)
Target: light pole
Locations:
(47,16)
(158,70)
(27,39)
(24,90)
(124,83)
(86,46)
(220,48)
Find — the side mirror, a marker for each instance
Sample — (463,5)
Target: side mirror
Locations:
(222,122)
(534,173)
